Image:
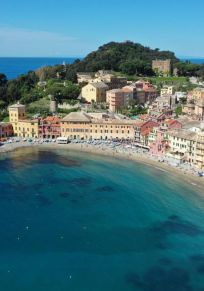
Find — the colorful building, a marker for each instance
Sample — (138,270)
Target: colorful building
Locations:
(22,127)
(94,92)
(49,127)
(6,130)
(79,125)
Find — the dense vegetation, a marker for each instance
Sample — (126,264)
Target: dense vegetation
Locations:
(26,89)
(127,58)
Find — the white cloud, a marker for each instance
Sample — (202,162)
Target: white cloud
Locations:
(25,42)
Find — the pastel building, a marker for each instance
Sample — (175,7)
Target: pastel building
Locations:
(94,92)
(159,144)
(118,98)
(115,99)
(22,127)
(49,127)
(6,130)
(80,125)
(200,150)
(182,145)
(167,90)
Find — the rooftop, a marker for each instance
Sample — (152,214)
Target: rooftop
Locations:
(17,105)
(77,117)
(99,85)
(185,134)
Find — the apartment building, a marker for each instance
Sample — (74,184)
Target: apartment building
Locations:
(167,90)
(94,92)
(182,145)
(118,98)
(49,127)
(79,125)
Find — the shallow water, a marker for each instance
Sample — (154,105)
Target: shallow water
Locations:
(72,221)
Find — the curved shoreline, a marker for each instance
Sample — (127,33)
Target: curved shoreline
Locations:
(186,176)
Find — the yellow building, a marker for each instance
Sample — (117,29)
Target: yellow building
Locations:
(200,150)
(22,127)
(182,145)
(79,125)
(27,128)
(197,94)
(94,92)
(167,90)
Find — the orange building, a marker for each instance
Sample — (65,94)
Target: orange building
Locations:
(6,130)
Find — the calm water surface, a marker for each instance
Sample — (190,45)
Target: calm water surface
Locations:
(14,67)
(74,222)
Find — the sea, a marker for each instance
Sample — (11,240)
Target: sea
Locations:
(198,61)
(14,67)
(75,221)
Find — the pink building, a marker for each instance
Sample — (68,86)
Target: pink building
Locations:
(159,146)
(49,127)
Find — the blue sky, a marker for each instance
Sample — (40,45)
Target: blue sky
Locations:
(74,28)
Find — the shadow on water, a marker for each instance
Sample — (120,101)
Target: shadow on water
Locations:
(166,276)
(160,279)
(175,225)
(37,156)
(43,200)
(105,189)
(80,182)
(64,194)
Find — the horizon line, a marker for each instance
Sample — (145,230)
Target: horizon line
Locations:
(81,57)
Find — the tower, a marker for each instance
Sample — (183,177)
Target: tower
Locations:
(16,113)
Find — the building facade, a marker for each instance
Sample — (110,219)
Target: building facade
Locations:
(6,130)
(162,66)
(79,125)
(49,127)
(94,92)
(22,127)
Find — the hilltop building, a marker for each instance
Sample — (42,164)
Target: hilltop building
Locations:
(94,92)
(162,67)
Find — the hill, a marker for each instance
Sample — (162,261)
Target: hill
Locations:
(126,57)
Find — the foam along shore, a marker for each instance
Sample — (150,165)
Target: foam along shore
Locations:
(119,151)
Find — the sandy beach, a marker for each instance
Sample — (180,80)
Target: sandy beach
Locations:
(127,154)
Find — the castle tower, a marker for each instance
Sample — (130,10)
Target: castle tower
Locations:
(53,104)
(16,113)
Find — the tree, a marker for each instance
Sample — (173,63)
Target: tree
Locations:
(3,79)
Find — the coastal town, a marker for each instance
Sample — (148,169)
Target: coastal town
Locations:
(163,133)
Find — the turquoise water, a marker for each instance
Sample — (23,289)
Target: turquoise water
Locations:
(74,222)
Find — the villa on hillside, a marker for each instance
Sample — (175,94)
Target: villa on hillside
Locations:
(94,92)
